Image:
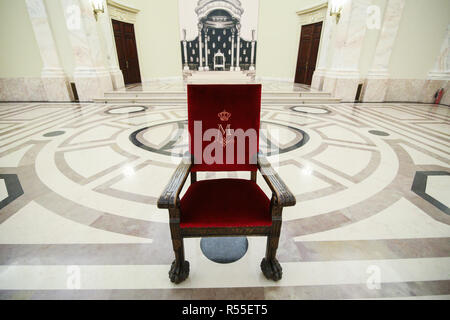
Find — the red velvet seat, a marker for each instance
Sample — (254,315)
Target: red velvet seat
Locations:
(225,203)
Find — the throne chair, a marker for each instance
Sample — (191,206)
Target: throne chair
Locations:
(219,61)
(223,124)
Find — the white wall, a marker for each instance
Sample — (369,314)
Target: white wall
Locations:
(157,36)
(422,30)
(19,55)
(279,37)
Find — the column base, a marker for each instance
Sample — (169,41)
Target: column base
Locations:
(186,68)
(116,78)
(317,80)
(56,85)
(375,90)
(205,68)
(342,88)
(237,69)
(92,83)
(252,68)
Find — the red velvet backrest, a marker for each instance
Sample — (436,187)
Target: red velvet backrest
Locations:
(225,108)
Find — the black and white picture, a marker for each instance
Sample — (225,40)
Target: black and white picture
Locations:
(218,34)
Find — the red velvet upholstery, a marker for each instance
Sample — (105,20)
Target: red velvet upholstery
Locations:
(225,203)
(241,102)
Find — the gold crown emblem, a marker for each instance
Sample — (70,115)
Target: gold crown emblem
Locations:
(224,115)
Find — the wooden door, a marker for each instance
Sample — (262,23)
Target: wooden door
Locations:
(307,52)
(127,51)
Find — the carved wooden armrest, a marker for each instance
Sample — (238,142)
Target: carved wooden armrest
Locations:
(169,197)
(283,197)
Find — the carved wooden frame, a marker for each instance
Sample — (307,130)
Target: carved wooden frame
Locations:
(281,197)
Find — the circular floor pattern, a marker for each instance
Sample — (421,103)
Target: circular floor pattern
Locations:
(126,109)
(224,249)
(176,138)
(379,133)
(54,134)
(308,109)
(113,189)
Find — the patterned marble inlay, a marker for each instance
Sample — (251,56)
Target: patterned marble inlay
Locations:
(10,189)
(126,109)
(87,198)
(310,109)
(379,133)
(53,134)
(433,186)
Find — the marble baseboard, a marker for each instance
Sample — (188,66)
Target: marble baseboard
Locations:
(35,89)
(407,90)
(22,89)
(429,90)
(382,89)
(446,98)
(416,90)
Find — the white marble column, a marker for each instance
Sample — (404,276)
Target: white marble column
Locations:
(232,50)
(376,84)
(318,75)
(107,36)
(238,50)
(252,54)
(441,69)
(186,64)
(206,68)
(54,80)
(92,79)
(200,47)
(440,75)
(343,77)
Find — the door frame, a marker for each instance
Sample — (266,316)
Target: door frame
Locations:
(127,14)
(310,15)
(124,48)
(309,51)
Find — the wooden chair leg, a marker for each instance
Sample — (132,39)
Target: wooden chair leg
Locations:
(270,266)
(179,271)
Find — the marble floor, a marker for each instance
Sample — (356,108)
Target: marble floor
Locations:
(79,184)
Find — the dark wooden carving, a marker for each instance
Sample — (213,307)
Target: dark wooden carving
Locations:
(284,197)
(281,197)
